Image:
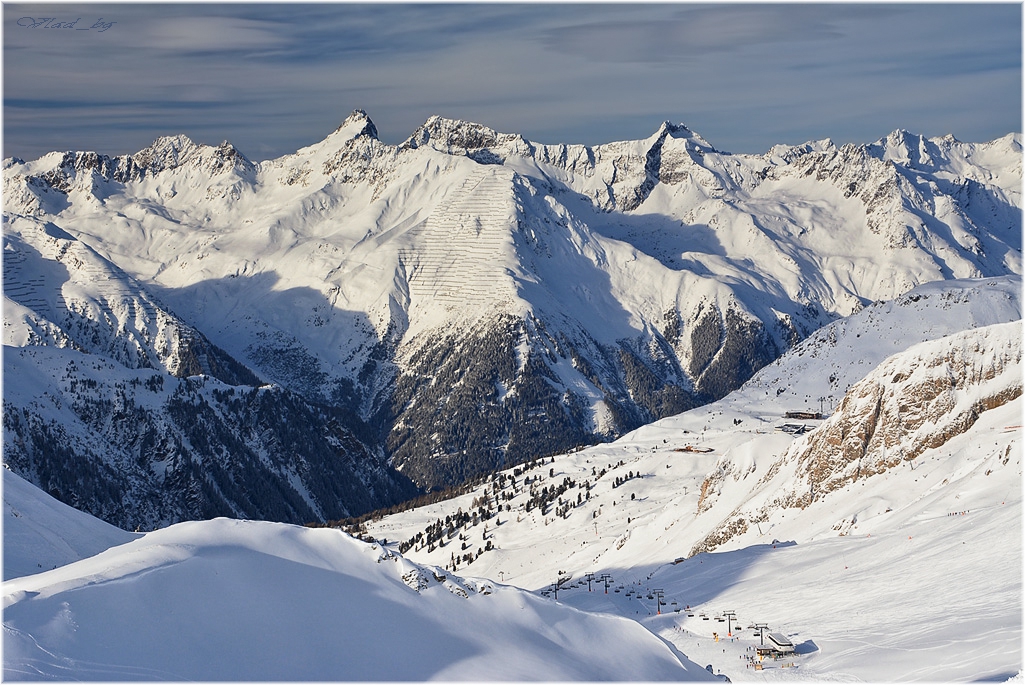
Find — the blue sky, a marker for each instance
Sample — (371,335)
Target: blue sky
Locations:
(274,77)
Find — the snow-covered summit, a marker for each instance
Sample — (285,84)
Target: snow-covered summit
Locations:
(950,158)
(173,152)
(464,137)
(359,121)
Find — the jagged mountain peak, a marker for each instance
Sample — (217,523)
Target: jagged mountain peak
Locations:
(786,154)
(172,152)
(166,152)
(458,136)
(922,153)
(680,132)
(904,147)
(356,131)
(358,124)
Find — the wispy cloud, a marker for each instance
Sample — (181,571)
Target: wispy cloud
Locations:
(697,31)
(274,77)
(210,35)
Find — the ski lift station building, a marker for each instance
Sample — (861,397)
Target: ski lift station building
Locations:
(778,644)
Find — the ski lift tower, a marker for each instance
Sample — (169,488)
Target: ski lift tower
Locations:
(731,616)
(658,600)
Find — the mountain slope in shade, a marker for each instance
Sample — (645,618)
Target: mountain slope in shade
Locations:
(142,449)
(237,600)
(107,405)
(41,533)
(545,296)
(60,293)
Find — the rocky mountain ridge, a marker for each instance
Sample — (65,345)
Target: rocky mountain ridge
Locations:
(473,299)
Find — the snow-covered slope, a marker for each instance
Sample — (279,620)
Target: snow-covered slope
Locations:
(41,533)
(59,293)
(249,601)
(909,568)
(546,296)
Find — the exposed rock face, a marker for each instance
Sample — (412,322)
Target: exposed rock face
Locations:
(913,402)
(492,396)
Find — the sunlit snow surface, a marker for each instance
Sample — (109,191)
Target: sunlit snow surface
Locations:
(243,600)
(919,592)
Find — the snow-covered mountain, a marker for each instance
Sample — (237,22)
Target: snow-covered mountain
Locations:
(471,299)
(251,601)
(897,569)
(878,538)
(115,405)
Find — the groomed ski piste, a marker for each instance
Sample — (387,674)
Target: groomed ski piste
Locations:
(905,572)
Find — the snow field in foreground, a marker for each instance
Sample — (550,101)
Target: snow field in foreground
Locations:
(240,600)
